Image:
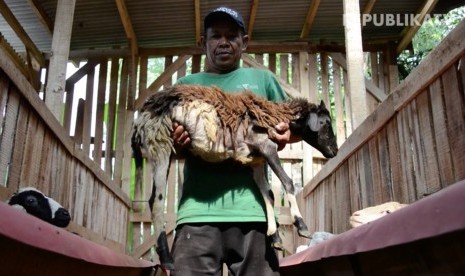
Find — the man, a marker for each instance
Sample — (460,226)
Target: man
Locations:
(221,216)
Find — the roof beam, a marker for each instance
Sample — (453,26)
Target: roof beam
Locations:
(311,13)
(21,33)
(413,29)
(42,15)
(253,14)
(126,21)
(198,30)
(368,7)
(17,60)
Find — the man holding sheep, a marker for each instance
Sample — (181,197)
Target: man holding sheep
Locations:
(221,216)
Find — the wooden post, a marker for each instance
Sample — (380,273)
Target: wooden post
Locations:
(59,57)
(307,158)
(354,50)
(393,72)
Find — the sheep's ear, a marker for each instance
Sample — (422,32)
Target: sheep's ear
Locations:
(322,104)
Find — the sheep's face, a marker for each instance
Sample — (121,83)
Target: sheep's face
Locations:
(373,213)
(37,204)
(319,133)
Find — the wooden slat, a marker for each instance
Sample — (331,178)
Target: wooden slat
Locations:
(455,110)
(418,140)
(338,102)
(325,79)
(384,193)
(88,111)
(111,116)
(167,74)
(99,113)
(253,63)
(428,144)
(9,105)
(121,122)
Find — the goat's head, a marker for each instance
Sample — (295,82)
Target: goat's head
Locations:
(37,204)
(317,131)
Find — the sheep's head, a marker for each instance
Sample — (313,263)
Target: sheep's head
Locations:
(316,129)
(37,204)
(375,212)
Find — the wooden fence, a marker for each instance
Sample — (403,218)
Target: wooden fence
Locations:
(36,151)
(411,146)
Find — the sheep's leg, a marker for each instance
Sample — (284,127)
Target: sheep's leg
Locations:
(267,194)
(157,199)
(269,151)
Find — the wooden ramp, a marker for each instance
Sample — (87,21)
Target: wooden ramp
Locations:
(425,238)
(29,246)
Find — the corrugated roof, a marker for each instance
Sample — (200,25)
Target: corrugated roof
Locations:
(165,23)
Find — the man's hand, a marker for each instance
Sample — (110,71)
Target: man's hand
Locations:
(180,137)
(283,136)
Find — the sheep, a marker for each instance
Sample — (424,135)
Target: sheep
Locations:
(34,202)
(225,126)
(374,212)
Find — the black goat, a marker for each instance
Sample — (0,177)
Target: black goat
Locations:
(37,204)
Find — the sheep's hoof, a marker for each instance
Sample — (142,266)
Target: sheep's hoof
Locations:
(276,241)
(167,266)
(166,260)
(302,228)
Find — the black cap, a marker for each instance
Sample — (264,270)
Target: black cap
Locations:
(224,11)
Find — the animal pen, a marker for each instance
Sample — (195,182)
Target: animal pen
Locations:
(410,146)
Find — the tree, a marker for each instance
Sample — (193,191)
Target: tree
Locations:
(430,34)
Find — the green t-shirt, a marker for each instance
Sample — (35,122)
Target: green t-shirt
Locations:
(226,191)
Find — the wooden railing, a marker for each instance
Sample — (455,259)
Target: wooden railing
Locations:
(411,146)
(36,151)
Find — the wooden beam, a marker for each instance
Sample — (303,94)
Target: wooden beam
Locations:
(253,14)
(291,91)
(17,60)
(21,33)
(42,15)
(410,31)
(252,48)
(354,54)
(368,7)
(56,79)
(129,30)
(197,18)
(169,71)
(310,18)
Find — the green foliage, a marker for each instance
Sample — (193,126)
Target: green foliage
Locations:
(430,34)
